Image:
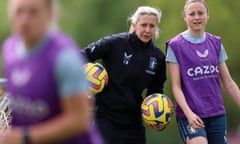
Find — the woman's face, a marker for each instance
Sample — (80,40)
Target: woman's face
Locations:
(30,18)
(196,17)
(145,27)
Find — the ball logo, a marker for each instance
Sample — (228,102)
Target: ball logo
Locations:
(157,111)
(97,77)
(146,102)
(155,104)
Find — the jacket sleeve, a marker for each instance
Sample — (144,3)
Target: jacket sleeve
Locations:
(98,50)
(157,84)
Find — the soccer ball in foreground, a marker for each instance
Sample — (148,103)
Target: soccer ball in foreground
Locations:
(97,76)
(157,111)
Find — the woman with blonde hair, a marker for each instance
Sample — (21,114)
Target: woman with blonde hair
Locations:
(134,63)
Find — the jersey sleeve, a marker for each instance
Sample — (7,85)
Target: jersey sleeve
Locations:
(171,56)
(223,55)
(70,74)
(157,84)
(99,49)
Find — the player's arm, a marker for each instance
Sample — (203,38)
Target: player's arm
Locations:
(177,89)
(76,116)
(175,78)
(99,49)
(228,83)
(194,120)
(73,121)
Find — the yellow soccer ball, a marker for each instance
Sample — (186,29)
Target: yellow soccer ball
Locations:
(97,76)
(157,111)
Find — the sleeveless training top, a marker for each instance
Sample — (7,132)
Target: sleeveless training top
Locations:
(32,86)
(199,74)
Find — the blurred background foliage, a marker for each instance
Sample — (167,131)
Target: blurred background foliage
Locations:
(88,20)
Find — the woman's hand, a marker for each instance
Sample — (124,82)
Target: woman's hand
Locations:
(11,136)
(195,121)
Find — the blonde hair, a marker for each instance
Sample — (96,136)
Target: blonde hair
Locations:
(145,10)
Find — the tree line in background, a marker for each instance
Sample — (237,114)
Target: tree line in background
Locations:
(88,20)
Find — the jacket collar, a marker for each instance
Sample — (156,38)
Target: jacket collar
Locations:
(138,43)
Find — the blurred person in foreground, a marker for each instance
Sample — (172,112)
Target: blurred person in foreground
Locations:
(134,63)
(196,61)
(46,83)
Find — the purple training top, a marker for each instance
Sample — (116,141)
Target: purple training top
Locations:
(199,74)
(32,86)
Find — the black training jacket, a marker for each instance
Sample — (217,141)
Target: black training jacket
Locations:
(132,66)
